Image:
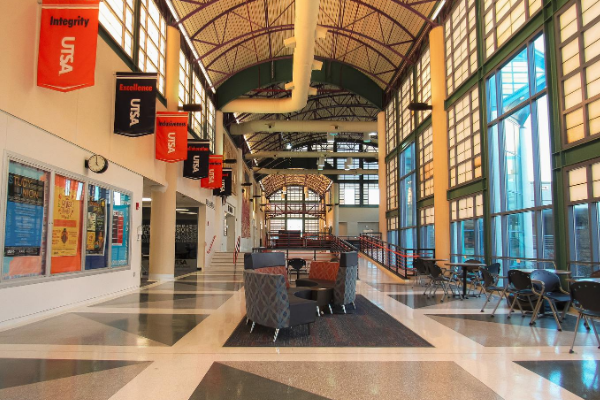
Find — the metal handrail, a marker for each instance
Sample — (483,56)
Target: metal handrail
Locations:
(236,251)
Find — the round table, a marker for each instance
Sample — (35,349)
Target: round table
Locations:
(466,267)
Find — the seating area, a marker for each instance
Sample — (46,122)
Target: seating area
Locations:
(534,292)
(272,302)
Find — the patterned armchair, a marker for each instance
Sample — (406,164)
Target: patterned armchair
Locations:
(344,291)
(268,302)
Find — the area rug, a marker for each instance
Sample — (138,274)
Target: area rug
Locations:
(367,326)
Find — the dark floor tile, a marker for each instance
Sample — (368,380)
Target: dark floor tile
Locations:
(418,300)
(581,377)
(186,286)
(167,300)
(36,379)
(222,382)
(546,322)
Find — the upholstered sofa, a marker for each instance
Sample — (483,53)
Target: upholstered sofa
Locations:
(338,276)
(270,301)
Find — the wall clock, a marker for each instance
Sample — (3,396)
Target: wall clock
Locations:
(97,164)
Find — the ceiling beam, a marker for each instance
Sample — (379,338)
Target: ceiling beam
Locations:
(268,171)
(310,154)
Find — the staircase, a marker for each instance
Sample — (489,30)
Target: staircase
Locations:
(223,262)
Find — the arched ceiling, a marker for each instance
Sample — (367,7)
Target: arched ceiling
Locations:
(331,103)
(373,36)
(317,183)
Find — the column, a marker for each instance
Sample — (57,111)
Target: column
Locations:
(382,174)
(439,122)
(219,132)
(164,198)
(335,200)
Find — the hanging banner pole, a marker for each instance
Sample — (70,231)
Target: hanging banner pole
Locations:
(67,45)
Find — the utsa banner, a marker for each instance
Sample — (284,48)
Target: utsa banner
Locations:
(171,136)
(215,173)
(196,164)
(67,49)
(225,189)
(135,104)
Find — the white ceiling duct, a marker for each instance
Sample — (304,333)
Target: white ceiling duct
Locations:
(302,126)
(305,33)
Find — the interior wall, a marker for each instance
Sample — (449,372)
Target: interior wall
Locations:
(21,138)
(357,218)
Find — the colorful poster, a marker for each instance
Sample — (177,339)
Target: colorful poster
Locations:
(25,228)
(68,40)
(118,223)
(96,227)
(67,217)
(245,218)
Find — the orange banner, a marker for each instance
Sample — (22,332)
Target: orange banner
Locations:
(215,173)
(68,39)
(171,136)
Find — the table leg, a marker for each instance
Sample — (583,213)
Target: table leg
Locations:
(464,283)
(297,274)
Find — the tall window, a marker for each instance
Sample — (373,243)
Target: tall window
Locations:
(424,84)
(408,211)
(116,16)
(153,42)
(466,228)
(503,18)
(584,218)
(211,117)
(350,193)
(464,139)
(460,32)
(392,180)
(427,230)
(184,79)
(405,96)
(426,163)
(520,165)
(198,117)
(579,69)
(392,229)
(390,132)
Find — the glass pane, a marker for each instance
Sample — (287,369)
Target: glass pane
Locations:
(120,230)
(518,160)
(468,237)
(581,250)
(578,184)
(26,221)
(521,235)
(514,81)
(96,249)
(544,153)
(539,59)
(492,99)
(67,225)
(547,235)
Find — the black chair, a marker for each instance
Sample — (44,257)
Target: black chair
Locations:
(439,277)
(490,276)
(297,264)
(474,278)
(551,291)
(421,268)
(522,289)
(585,297)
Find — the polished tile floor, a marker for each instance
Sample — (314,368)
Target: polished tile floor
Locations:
(168,341)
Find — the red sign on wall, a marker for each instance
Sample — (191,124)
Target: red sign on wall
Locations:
(67,49)
(215,173)
(171,136)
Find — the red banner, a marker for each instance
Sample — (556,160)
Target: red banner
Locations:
(215,173)
(67,49)
(171,136)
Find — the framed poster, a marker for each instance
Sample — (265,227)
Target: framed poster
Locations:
(120,229)
(67,224)
(26,221)
(96,243)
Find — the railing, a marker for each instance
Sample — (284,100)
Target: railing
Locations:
(237,250)
(396,259)
(286,240)
(211,245)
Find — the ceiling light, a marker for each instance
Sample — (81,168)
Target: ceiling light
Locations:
(288,146)
(348,164)
(330,137)
(182,209)
(146,198)
(366,137)
(373,134)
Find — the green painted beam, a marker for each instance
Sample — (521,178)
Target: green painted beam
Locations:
(333,73)
(467,189)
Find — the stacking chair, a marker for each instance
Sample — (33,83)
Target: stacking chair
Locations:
(474,277)
(439,277)
(489,284)
(552,292)
(521,287)
(296,264)
(421,268)
(585,301)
